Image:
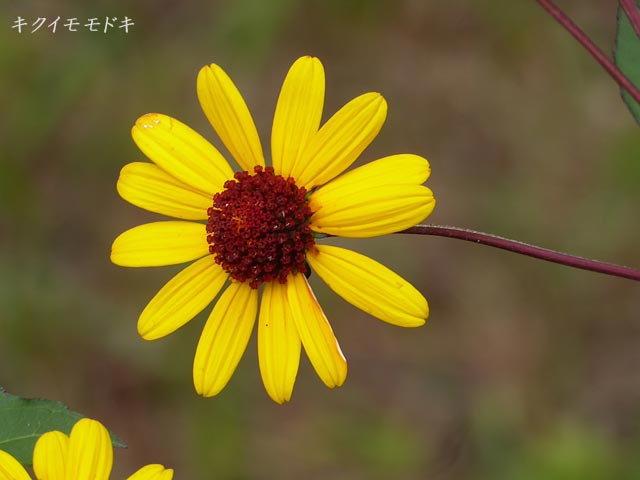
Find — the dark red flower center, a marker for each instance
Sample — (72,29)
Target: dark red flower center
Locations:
(258,227)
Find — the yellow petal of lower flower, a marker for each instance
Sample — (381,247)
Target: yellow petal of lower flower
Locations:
(228,113)
(341,140)
(181,152)
(298,114)
(152,472)
(90,451)
(182,298)
(315,332)
(370,286)
(50,456)
(160,243)
(11,469)
(361,213)
(147,186)
(278,343)
(224,338)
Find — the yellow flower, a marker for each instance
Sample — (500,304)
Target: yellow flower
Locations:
(86,454)
(263,223)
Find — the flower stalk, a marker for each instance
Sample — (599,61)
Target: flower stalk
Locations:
(526,249)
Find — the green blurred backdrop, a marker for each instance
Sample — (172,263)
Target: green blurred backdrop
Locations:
(525,370)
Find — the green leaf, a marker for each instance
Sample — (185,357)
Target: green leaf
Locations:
(23,420)
(627,58)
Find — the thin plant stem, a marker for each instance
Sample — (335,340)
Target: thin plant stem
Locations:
(632,13)
(591,47)
(525,249)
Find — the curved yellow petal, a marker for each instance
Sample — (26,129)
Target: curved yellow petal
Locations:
(401,169)
(315,332)
(341,140)
(278,343)
(147,186)
(90,451)
(298,114)
(50,456)
(181,152)
(224,338)
(370,286)
(182,298)
(227,112)
(370,212)
(11,469)
(153,471)
(160,243)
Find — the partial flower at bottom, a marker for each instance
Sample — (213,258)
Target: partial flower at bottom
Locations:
(263,224)
(86,454)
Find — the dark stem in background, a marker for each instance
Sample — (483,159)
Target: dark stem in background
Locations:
(591,47)
(525,249)
(633,15)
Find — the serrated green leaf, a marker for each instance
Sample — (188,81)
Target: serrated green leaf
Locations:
(23,420)
(627,58)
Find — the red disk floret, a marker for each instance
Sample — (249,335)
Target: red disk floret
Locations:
(258,227)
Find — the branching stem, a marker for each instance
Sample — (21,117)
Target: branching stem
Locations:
(591,47)
(521,248)
(632,14)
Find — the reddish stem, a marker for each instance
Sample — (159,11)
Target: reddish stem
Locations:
(632,13)
(526,249)
(591,47)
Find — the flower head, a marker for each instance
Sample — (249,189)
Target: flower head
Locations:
(86,454)
(263,224)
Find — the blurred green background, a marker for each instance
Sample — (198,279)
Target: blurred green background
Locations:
(525,370)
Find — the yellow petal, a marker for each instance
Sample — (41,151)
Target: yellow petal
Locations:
(341,140)
(228,113)
(278,343)
(152,472)
(298,114)
(370,286)
(50,456)
(224,338)
(10,468)
(181,152)
(90,451)
(371,212)
(315,332)
(402,169)
(147,186)
(160,243)
(182,298)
